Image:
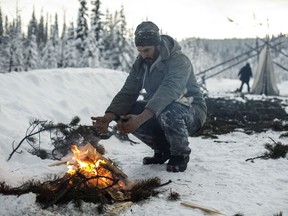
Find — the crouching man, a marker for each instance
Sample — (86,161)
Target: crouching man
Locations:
(173,108)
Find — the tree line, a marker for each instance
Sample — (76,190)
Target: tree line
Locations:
(96,40)
(103,40)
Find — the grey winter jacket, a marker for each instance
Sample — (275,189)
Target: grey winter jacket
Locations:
(169,79)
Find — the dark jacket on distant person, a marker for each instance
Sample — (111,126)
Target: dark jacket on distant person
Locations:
(245,73)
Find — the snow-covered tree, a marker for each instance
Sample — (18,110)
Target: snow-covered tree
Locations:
(41,36)
(15,46)
(5,53)
(54,34)
(81,29)
(126,45)
(49,58)
(91,54)
(95,50)
(118,48)
(56,41)
(62,44)
(31,48)
(31,53)
(69,48)
(50,54)
(96,24)
(1,27)
(32,27)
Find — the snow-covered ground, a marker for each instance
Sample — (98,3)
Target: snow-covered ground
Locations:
(217,175)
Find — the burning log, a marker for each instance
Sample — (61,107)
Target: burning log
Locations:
(90,160)
(90,177)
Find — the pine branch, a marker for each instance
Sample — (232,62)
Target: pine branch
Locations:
(62,136)
(18,146)
(274,151)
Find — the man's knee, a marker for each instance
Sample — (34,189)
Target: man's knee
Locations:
(172,116)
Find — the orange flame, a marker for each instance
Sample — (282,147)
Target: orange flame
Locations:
(86,162)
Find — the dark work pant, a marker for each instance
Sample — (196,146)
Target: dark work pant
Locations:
(241,87)
(168,132)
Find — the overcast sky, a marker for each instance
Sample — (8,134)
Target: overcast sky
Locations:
(181,18)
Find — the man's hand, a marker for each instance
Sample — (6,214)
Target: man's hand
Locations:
(101,123)
(130,123)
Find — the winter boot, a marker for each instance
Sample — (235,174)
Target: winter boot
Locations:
(177,163)
(157,158)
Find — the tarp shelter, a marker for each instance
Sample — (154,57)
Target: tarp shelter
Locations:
(264,79)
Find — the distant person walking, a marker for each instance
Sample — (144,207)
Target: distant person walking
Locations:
(245,74)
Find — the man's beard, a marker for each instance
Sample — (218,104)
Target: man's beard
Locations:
(150,61)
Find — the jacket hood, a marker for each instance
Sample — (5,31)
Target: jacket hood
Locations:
(169,47)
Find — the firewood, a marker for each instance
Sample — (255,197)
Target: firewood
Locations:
(120,207)
(108,164)
(206,209)
(59,163)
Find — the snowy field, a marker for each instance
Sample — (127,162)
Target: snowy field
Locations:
(217,175)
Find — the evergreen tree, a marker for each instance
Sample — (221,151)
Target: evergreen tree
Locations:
(5,48)
(31,48)
(46,30)
(49,59)
(50,54)
(123,22)
(15,46)
(69,49)
(62,44)
(31,53)
(32,27)
(64,28)
(81,29)
(1,27)
(55,31)
(118,50)
(107,40)
(5,53)
(6,25)
(56,42)
(96,24)
(41,39)
(96,45)
(91,53)
(127,51)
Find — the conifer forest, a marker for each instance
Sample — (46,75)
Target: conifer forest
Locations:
(101,39)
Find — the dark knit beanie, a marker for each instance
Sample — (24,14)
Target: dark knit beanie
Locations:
(147,34)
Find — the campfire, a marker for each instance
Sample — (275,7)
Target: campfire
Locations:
(90,177)
(98,170)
